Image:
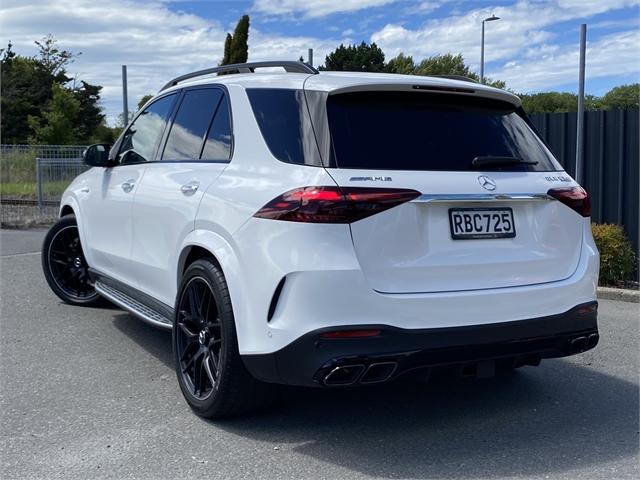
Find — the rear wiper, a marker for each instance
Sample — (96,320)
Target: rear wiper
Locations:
(488,160)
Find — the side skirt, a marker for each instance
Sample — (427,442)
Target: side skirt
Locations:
(133,300)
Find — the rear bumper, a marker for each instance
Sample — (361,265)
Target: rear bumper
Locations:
(396,351)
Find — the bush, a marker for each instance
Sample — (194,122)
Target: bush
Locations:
(617,258)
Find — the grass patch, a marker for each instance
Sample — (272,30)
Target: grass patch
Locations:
(28,189)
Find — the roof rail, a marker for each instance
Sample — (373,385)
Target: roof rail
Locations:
(289,66)
(456,77)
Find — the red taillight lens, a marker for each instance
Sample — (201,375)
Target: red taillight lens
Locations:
(351,334)
(333,204)
(575,198)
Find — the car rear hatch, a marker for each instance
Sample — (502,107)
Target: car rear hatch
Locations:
(483,218)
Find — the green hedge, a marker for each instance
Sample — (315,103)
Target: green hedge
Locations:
(617,258)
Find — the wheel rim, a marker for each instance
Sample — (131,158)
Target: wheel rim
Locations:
(68,266)
(198,338)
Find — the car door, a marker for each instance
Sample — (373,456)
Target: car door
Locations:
(196,150)
(107,206)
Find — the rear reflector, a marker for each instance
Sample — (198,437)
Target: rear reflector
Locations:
(333,204)
(351,334)
(575,198)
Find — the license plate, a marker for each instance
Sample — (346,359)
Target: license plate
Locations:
(476,223)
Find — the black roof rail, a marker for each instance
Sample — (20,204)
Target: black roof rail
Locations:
(456,77)
(289,66)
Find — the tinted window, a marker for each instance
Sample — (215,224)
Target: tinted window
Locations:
(278,113)
(420,131)
(141,140)
(218,146)
(191,124)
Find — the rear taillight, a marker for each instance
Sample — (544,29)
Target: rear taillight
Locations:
(575,198)
(333,204)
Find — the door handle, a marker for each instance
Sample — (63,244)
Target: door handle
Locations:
(128,185)
(190,188)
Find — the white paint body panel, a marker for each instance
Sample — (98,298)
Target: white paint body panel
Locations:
(398,268)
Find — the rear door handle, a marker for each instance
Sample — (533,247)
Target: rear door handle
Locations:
(128,185)
(190,188)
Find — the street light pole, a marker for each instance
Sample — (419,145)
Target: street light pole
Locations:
(490,19)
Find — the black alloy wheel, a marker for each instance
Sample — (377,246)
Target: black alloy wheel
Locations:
(198,338)
(64,265)
(211,373)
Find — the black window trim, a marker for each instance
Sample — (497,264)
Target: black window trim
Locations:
(174,113)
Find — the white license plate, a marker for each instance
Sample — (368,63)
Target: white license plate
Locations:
(476,223)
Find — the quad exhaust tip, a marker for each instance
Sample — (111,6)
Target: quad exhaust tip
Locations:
(349,374)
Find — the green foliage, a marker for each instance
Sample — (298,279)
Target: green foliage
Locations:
(556,102)
(617,258)
(28,85)
(236,46)
(624,96)
(356,58)
(59,120)
(447,64)
(402,64)
(144,100)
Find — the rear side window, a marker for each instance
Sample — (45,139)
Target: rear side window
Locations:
(423,131)
(143,136)
(279,113)
(201,112)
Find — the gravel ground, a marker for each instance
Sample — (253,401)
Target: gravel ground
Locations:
(91,393)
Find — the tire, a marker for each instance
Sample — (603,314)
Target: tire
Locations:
(211,374)
(65,267)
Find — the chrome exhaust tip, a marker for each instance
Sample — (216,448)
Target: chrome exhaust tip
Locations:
(344,375)
(379,372)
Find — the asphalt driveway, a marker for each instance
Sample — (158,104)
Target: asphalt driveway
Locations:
(91,393)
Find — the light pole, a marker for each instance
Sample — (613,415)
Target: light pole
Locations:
(490,19)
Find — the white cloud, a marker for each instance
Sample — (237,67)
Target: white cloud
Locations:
(616,54)
(522,31)
(314,8)
(155,43)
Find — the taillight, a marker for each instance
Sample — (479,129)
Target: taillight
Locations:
(333,204)
(575,198)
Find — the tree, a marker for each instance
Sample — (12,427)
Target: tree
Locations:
(236,46)
(356,58)
(549,102)
(28,85)
(90,115)
(240,41)
(623,96)
(226,59)
(144,100)
(57,125)
(401,64)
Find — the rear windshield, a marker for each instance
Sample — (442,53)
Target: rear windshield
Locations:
(424,131)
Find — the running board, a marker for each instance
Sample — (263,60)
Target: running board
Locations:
(133,306)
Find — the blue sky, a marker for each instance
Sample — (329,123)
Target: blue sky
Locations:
(534,47)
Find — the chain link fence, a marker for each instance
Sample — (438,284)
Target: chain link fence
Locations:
(32,180)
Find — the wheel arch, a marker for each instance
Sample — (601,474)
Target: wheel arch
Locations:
(206,244)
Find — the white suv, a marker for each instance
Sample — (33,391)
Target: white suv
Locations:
(330,229)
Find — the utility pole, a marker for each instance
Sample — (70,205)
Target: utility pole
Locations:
(310,57)
(580,125)
(125,104)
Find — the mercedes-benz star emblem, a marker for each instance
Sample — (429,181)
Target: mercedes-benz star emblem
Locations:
(487,183)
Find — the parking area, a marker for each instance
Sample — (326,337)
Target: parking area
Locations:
(91,393)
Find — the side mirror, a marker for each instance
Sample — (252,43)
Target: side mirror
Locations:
(97,155)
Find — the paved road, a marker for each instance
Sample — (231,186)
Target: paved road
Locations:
(91,393)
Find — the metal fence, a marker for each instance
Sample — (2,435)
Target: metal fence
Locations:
(611,161)
(32,179)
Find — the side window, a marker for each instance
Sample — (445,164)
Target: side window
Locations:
(218,145)
(143,136)
(191,124)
